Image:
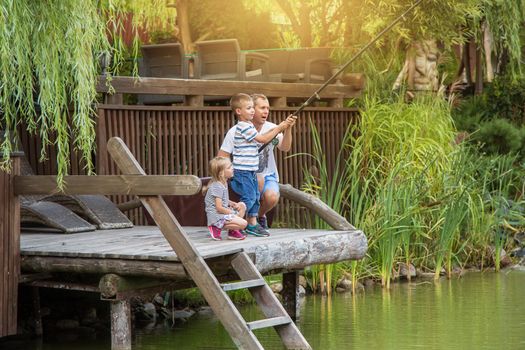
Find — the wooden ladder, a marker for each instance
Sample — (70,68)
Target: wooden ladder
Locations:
(239,330)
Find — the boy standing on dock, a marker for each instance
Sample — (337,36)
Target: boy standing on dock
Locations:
(267,174)
(246,158)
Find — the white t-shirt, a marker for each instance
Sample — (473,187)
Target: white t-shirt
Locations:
(267,164)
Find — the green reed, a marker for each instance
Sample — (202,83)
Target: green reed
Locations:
(332,188)
(420,197)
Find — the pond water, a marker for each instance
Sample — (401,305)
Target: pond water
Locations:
(477,311)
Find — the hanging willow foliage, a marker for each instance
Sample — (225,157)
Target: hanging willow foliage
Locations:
(505,19)
(49,63)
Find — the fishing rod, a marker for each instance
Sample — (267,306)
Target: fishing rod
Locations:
(315,95)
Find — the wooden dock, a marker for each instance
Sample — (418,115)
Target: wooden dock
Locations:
(124,263)
(143,250)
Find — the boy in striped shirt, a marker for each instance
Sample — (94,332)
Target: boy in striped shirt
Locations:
(246,158)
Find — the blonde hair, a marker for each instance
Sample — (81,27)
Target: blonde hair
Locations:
(237,100)
(257,97)
(216,168)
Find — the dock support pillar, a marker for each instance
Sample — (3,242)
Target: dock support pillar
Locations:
(120,325)
(37,312)
(9,248)
(290,294)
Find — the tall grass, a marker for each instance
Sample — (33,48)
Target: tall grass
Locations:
(332,188)
(421,198)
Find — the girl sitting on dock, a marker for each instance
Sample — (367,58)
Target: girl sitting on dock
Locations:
(220,211)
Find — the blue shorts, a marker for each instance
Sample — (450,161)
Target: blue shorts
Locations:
(244,183)
(270,183)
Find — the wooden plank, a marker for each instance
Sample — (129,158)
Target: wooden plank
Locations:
(243,285)
(284,249)
(110,184)
(270,305)
(188,254)
(224,112)
(270,322)
(195,87)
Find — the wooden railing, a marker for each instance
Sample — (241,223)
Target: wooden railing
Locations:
(194,91)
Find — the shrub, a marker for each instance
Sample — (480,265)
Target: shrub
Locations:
(499,136)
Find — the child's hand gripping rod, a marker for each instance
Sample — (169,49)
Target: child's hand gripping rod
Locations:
(315,95)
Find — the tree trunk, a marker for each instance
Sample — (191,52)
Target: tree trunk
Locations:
(479,71)
(184,26)
(466,63)
(487,45)
(300,23)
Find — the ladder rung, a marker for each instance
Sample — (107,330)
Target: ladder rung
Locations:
(243,284)
(269,322)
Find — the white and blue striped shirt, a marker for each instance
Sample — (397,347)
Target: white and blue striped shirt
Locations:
(245,149)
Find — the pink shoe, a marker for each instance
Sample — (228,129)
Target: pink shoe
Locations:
(236,235)
(215,233)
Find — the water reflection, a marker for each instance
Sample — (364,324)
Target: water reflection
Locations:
(477,311)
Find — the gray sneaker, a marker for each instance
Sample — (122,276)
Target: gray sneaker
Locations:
(263,222)
(257,231)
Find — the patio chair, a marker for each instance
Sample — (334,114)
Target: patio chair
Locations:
(223,60)
(163,61)
(308,65)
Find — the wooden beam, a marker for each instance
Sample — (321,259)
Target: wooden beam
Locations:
(111,285)
(155,269)
(110,184)
(320,208)
(195,87)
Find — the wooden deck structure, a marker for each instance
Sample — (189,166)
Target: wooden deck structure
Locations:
(167,140)
(143,251)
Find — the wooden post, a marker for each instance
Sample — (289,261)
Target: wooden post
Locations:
(9,250)
(102,152)
(336,103)
(290,294)
(120,325)
(277,102)
(37,313)
(114,99)
(194,100)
